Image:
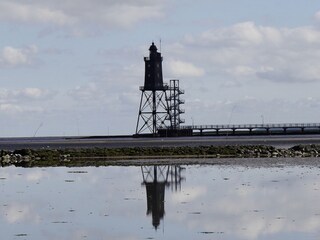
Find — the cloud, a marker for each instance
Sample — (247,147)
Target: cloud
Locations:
(69,13)
(253,52)
(34,93)
(86,92)
(31,12)
(115,86)
(317,16)
(10,108)
(252,110)
(12,57)
(26,100)
(241,34)
(184,69)
(94,95)
(248,59)
(25,94)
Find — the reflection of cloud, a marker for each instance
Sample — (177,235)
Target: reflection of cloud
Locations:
(263,207)
(265,203)
(189,194)
(17,212)
(36,175)
(44,207)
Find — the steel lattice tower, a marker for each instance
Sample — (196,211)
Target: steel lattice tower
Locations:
(175,103)
(154,111)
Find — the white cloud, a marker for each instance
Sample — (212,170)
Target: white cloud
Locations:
(317,16)
(36,175)
(240,70)
(115,86)
(86,92)
(241,34)
(19,212)
(34,93)
(68,12)
(25,94)
(251,52)
(31,12)
(26,100)
(189,194)
(11,57)
(241,206)
(251,110)
(184,69)
(10,108)
(105,95)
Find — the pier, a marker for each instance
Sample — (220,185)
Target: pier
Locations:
(251,129)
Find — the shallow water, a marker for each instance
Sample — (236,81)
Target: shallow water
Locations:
(181,202)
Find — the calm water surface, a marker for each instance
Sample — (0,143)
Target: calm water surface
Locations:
(164,202)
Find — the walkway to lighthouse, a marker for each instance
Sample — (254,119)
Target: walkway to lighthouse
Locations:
(284,128)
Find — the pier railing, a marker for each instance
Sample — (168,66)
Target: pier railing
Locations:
(252,126)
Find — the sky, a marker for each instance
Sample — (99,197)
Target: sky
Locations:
(71,68)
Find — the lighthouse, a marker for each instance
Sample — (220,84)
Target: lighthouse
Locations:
(153,80)
(159,111)
(154,111)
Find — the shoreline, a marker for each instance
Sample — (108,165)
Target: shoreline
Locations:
(223,155)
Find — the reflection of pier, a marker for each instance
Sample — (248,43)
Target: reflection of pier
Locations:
(156,178)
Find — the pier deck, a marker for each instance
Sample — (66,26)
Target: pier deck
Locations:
(282,128)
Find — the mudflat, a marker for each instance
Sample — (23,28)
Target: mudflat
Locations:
(223,155)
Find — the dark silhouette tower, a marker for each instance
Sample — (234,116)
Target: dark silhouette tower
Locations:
(153,79)
(154,109)
(155,198)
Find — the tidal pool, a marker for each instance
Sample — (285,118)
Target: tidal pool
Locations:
(160,202)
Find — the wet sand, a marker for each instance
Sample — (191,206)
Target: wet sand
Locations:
(244,162)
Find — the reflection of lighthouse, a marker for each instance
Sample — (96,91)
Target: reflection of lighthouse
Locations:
(156,178)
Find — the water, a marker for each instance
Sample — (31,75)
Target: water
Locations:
(181,202)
